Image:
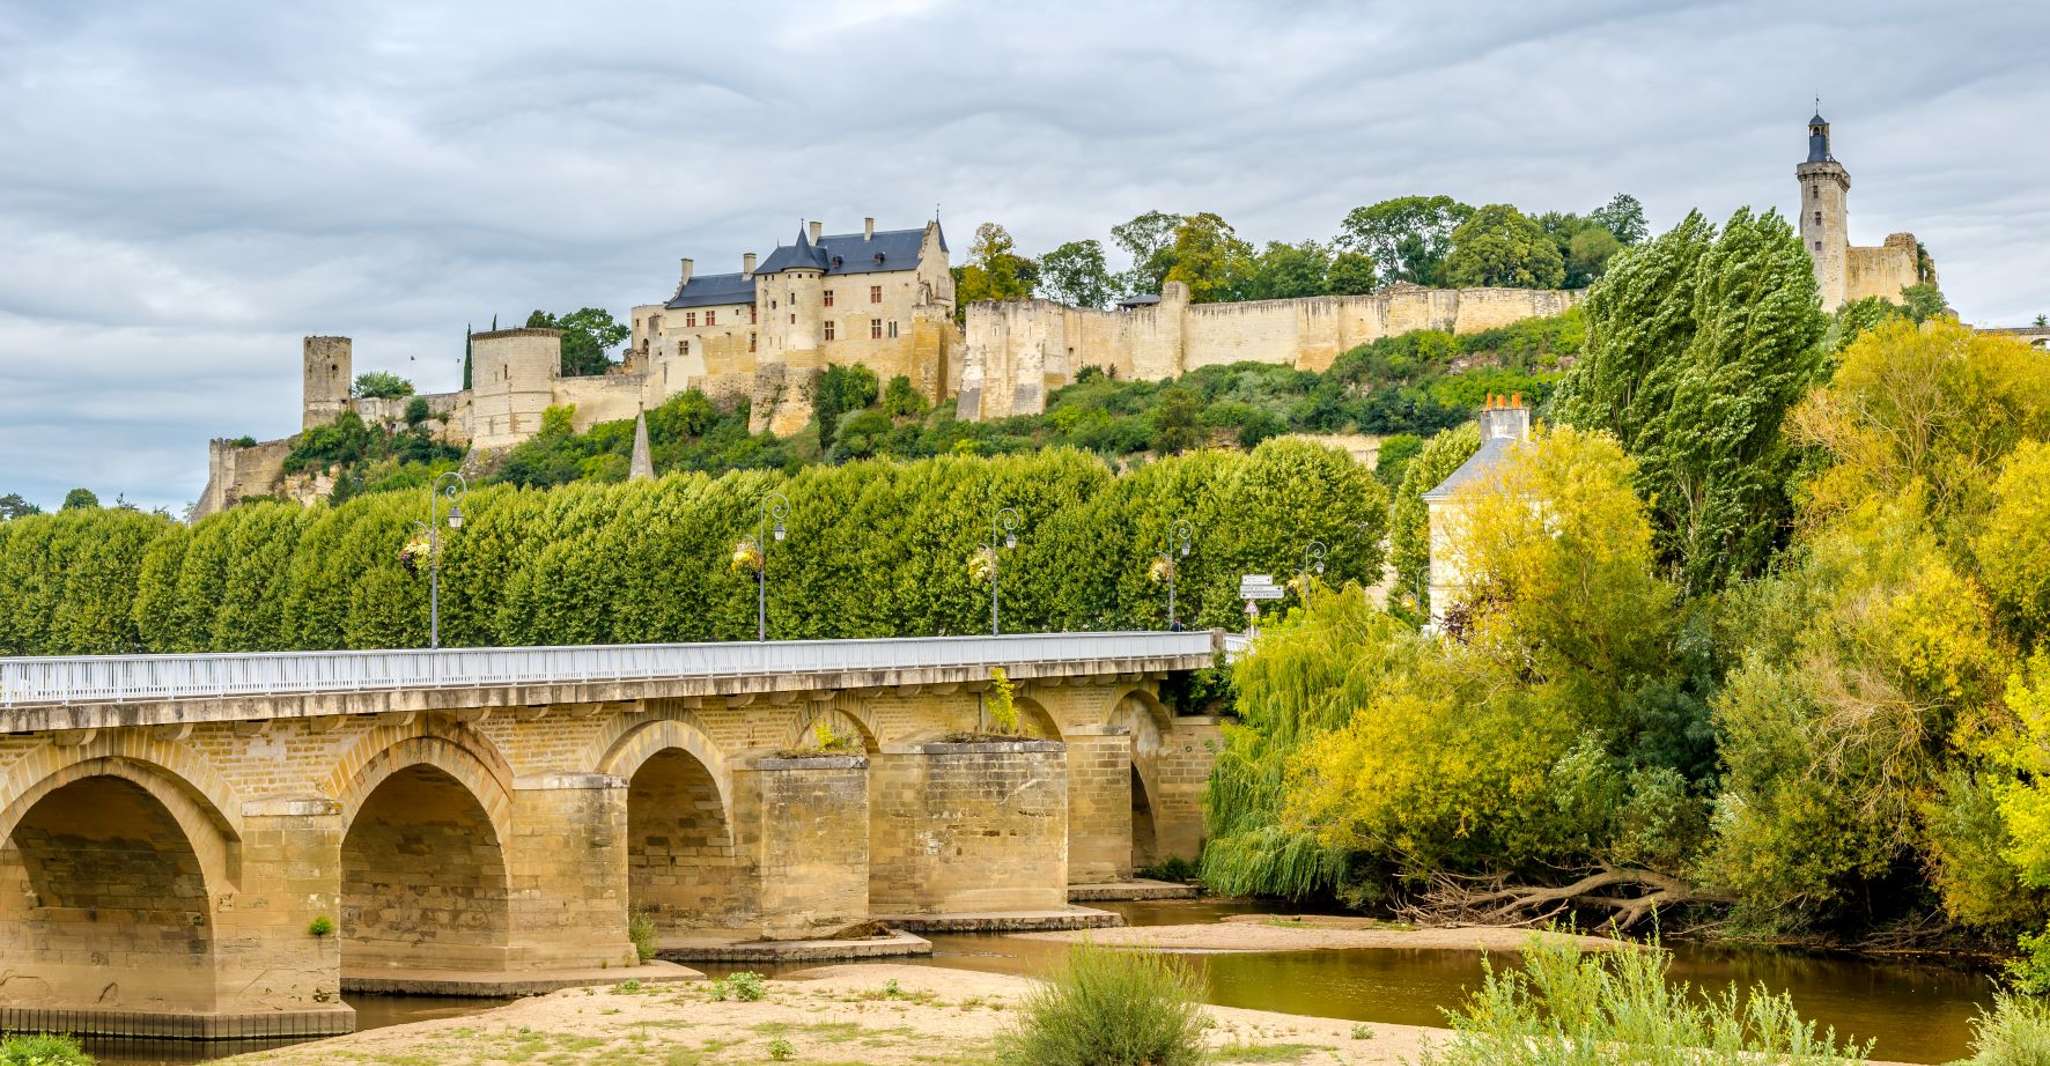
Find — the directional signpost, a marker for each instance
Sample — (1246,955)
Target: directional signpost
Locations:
(1253,588)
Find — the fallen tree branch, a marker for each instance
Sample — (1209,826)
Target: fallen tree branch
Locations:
(1492,901)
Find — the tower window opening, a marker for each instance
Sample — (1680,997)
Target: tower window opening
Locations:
(711,318)
(875,329)
(1818,246)
(829,298)
(1818,218)
(829,329)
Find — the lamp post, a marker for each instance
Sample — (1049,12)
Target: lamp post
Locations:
(1179,536)
(1313,564)
(775,508)
(1003,526)
(450,485)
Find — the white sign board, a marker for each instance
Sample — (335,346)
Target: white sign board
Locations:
(1259,587)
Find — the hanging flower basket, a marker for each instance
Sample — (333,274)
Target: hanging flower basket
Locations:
(747,557)
(982,566)
(1162,570)
(414,552)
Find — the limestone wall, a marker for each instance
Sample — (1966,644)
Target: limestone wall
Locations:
(1017,352)
(235,473)
(1883,271)
(966,828)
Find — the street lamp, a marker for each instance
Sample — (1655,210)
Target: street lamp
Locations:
(1179,536)
(775,508)
(1003,526)
(450,485)
(1313,565)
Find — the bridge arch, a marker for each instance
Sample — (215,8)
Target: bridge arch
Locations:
(118,868)
(424,878)
(847,715)
(685,866)
(1140,713)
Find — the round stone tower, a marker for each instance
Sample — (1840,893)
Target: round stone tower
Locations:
(512,381)
(325,395)
(1825,225)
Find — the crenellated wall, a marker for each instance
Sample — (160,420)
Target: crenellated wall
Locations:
(1020,351)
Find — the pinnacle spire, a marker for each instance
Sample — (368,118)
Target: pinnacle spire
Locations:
(642,467)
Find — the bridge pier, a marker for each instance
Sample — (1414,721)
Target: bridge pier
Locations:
(568,858)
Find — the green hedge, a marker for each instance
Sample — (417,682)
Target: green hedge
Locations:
(875,548)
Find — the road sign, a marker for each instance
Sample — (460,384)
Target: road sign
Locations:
(1259,587)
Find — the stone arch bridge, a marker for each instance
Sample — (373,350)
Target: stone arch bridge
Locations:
(219,845)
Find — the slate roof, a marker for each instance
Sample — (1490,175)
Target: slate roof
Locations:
(851,253)
(1492,451)
(714,290)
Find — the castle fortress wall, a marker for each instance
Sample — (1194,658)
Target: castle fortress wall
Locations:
(1883,271)
(1018,352)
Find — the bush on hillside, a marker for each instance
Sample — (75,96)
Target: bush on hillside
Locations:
(42,1049)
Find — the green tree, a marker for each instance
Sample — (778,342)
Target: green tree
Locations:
(1623,217)
(13,506)
(1351,274)
(841,389)
(1149,240)
(588,337)
(1923,301)
(1499,246)
(1075,274)
(1699,344)
(380,385)
(1210,259)
(80,498)
(1407,237)
(1288,271)
(1175,422)
(993,271)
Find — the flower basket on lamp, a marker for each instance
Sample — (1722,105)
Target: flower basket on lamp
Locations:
(1162,571)
(413,553)
(747,557)
(982,565)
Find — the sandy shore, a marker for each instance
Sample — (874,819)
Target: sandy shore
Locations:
(1276,932)
(836,1016)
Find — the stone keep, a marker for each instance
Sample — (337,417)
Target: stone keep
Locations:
(327,378)
(1842,272)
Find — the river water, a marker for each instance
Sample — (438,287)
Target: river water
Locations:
(1917,1013)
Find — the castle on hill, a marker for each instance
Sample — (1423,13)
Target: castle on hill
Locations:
(884,299)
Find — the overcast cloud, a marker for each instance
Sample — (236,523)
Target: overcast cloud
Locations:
(187,189)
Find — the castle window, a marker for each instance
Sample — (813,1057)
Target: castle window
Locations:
(829,329)
(875,294)
(893,329)
(1818,218)
(750,342)
(1815,192)
(683,347)
(1818,246)
(690,318)
(711,318)
(752,314)
(793,296)
(875,329)
(829,298)
(793,318)
(772,305)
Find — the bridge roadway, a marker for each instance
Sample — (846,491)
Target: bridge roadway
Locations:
(219,845)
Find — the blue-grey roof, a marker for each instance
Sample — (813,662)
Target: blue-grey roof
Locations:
(1492,451)
(851,253)
(714,290)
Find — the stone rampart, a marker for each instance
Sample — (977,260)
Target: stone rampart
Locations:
(1018,352)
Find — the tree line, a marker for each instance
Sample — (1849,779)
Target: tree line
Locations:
(874,548)
(1421,240)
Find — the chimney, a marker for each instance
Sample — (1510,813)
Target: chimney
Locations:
(815,226)
(868,229)
(747,265)
(686,275)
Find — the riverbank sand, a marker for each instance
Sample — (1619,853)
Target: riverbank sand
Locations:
(834,1016)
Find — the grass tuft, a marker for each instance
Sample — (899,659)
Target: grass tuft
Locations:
(1110,1008)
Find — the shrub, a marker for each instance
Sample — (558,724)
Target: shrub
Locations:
(745,986)
(1567,1008)
(1003,705)
(2015,1033)
(321,925)
(42,1050)
(416,410)
(640,928)
(1110,1008)
(781,1050)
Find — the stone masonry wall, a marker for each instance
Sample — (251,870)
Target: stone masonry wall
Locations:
(969,827)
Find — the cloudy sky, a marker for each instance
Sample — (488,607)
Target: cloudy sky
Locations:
(188,188)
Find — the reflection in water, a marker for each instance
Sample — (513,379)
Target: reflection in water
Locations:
(1916,1013)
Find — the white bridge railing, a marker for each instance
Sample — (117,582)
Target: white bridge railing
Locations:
(119,678)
